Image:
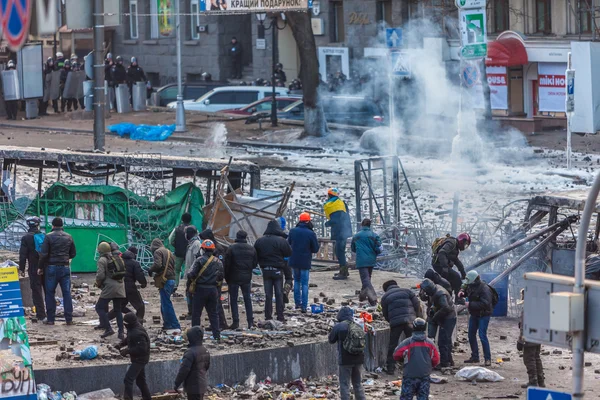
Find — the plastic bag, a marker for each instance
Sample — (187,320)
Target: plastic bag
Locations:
(478,374)
(251,381)
(42,391)
(98,395)
(89,353)
(55,396)
(69,396)
(123,128)
(151,133)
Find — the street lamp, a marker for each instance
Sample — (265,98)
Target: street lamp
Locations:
(261,17)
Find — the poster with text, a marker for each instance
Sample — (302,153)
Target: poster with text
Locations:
(165,17)
(248,6)
(551,86)
(498,83)
(16,369)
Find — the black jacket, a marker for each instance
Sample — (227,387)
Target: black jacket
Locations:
(58,249)
(212,275)
(194,364)
(272,248)
(480,299)
(134,272)
(338,335)
(118,74)
(400,306)
(240,260)
(64,73)
(442,306)
(180,242)
(137,342)
(235,50)
(27,253)
(438,279)
(136,74)
(447,256)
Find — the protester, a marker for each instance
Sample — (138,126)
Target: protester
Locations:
(400,307)
(163,268)
(445,256)
(531,354)
(31,245)
(206,275)
(109,278)
(56,254)
(194,366)
(271,250)
(134,273)
(438,279)
(349,363)
(338,220)
(240,260)
(219,252)
(11,106)
(179,242)
(442,314)
(480,309)
(367,246)
(420,357)
(192,252)
(137,346)
(304,244)
(288,274)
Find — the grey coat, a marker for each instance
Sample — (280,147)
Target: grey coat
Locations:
(111,289)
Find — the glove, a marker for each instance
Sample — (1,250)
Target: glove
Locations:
(519,345)
(124,352)
(431,313)
(463,275)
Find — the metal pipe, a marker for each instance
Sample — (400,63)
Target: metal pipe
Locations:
(274,60)
(99,100)
(579,337)
(527,239)
(180,111)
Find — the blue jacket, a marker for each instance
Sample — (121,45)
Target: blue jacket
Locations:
(336,212)
(367,245)
(304,243)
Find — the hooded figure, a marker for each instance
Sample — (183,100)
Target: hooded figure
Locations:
(240,260)
(194,366)
(192,252)
(164,265)
(112,287)
(137,346)
(442,314)
(29,256)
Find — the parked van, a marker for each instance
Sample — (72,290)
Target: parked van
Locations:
(226,97)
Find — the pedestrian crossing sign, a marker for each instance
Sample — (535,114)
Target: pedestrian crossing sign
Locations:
(400,64)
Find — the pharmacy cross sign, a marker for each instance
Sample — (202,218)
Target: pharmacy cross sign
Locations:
(14,20)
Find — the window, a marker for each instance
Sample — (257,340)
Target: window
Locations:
(543,16)
(244,97)
(154,19)
(585,20)
(194,19)
(338,33)
(383,12)
(501,16)
(193,92)
(133,19)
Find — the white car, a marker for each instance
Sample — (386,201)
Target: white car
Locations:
(226,97)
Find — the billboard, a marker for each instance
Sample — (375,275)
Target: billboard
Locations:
(166,17)
(249,6)
(498,83)
(551,86)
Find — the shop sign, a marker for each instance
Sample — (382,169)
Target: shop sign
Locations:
(358,19)
(498,83)
(552,86)
(250,6)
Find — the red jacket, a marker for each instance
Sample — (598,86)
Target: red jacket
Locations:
(420,355)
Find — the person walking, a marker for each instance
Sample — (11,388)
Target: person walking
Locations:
(109,278)
(338,220)
(206,275)
(400,307)
(136,345)
(442,314)
(480,308)
(445,257)
(349,363)
(134,273)
(192,252)
(240,260)
(531,354)
(31,245)
(163,268)
(194,366)
(367,246)
(272,249)
(420,357)
(58,249)
(179,242)
(304,244)
(235,52)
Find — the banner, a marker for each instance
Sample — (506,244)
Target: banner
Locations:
(249,6)
(498,83)
(165,17)
(551,86)
(16,369)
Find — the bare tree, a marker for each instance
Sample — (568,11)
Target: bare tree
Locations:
(315,123)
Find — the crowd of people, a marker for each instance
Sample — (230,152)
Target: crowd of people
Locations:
(285,263)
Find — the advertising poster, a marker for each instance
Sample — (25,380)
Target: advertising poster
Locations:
(16,369)
(498,83)
(165,17)
(551,86)
(248,6)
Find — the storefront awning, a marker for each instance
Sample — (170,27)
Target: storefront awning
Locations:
(506,53)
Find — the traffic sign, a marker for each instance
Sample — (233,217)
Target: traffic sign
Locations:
(570,100)
(461,4)
(473,34)
(393,37)
(470,75)
(400,64)
(15,16)
(535,393)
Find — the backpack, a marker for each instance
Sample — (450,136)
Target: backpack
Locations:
(116,267)
(495,296)
(355,341)
(437,244)
(38,240)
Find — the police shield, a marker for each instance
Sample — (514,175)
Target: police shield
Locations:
(138,92)
(10,85)
(88,90)
(73,85)
(122,96)
(54,88)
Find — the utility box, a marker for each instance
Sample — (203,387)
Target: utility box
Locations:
(566,312)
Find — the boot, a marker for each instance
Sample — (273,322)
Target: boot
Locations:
(235,325)
(107,333)
(472,361)
(121,335)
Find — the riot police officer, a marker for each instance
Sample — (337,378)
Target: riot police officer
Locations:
(118,75)
(11,105)
(135,73)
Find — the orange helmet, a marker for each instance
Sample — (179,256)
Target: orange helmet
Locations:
(333,192)
(305,217)
(208,245)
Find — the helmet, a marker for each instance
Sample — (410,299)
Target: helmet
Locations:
(119,59)
(428,286)
(471,277)
(59,55)
(305,217)
(11,64)
(333,192)
(68,63)
(133,60)
(74,56)
(109,56)
(208,245)
(206,76)
(419,325)
(50,59)
(464,237)
(33,222)
(104,247)
(279,66)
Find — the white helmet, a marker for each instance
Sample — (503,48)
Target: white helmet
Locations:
(59,55)
(10,64)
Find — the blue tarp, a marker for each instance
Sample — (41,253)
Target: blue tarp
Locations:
(143,132)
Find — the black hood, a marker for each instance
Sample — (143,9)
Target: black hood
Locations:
(130,320)
(195,336)
(274,228)
(431,275)
(241,237)
(345,314)
(128,255)
(208,234)
(428,287)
